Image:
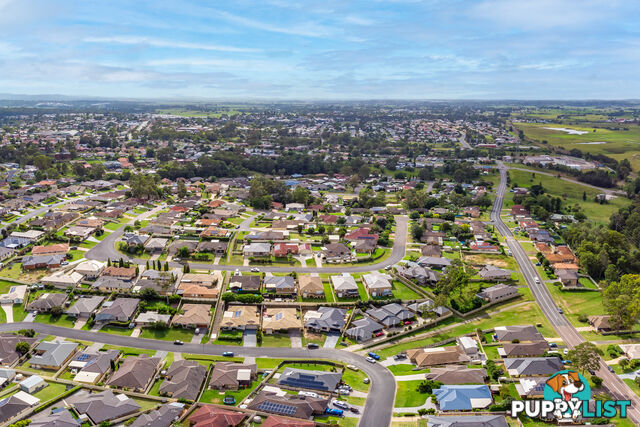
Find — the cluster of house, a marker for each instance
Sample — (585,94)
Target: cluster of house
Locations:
(526,356)
(563,262)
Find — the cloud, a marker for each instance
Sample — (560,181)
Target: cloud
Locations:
(307,29)
(140,40)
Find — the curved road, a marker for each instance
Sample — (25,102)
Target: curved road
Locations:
(379,403)
(105,250)
(565,329)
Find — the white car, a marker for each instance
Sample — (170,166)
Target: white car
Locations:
(340,404)
(308,393)
(255,270)
(371,359)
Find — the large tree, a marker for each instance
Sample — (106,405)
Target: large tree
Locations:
(585,357)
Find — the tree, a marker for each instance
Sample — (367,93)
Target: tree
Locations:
(56,311)
(166,266)
(30,333)
(428,386)
(149,294)
(182,189)
(23,347)
(585,356)
(183,252)
(622,301)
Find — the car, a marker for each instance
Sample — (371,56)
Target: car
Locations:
(177,259)
(237,226)
(336,412)
(344,344)
(312,346)
(366,380)
(255,270)
(74,248)
(227,353)
(64,263)
(566,362)
(340,404)
(229,400)
(565,351)
(373,355)
(611,369)
(308,393)
(553,345)
(178,342)
(355,410)
(197,331)
(379,334)
(388,267)
(371,360)
(343,392)
(408,322)
(537,280)
(560,310)
(400,356)
(353,367)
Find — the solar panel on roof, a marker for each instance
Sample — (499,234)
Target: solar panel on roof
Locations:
(237,313)
(278,316)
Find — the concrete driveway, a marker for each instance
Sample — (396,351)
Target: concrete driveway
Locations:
(332,340)
(296,339)
(249,339)
(8,310)
(30,317)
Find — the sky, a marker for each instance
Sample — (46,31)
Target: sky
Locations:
(329,49)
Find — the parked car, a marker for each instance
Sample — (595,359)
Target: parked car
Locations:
(353,367)
(178,342)
(355,410)
(379,334)
(408,322)
(371,360)
(335,412)
(255,270)
(373,355)
(566,362)
(560,310)
(553,345)
(366,380)
(312,346)
(227,353)
(308,393)
(341,404)
(400,356)
(229,400)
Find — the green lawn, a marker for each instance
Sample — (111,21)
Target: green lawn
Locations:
(51,391)
(214,396)
(407,396)
(354,379)
(63,320)
(267,363)
(571,193)
(170,334)
(276,340)
(575,303)
(405,369)
(128,351)
(403,292)
(115,330)
(155,389)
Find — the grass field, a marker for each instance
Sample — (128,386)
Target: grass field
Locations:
(170,334)
(571,194)
(619,144)
(406,394)
(276,340)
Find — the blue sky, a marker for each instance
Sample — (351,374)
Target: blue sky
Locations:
(282,49)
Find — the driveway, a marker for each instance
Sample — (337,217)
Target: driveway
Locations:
(79,323)
(136,332)
(332,340)
(8,309)
(296,339)
(249,339)
(30,317)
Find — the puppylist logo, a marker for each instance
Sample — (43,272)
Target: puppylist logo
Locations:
(567,395)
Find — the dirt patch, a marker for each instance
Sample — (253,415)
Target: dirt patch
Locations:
(483,260)
(313,336)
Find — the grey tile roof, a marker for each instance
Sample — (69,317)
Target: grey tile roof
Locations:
(164,416)
(184,379)
(105,406)
(85,306)
(314,380)
(332,319)
(54,353)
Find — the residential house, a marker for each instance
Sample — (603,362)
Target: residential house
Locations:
(280,285)
(135,373)
(90,269)
(33,262)
(112,284)
(377,284)
(467,421)
(280,319)
(59,248)
(282,250)
(345,286)
(52,354)
(16,404)
(391,315)
(529,349)
(240,317)
(457,374)
(437,356)
(533,366)
(45,302)
(85,306)
(292,405)
(336,252)
(219,248)
(122,273)
(213,416)
(431,251)
(251,284)
(155,245)
(165,416)
(363,329)
(413,271)
(434,262)
(62,279)
(105,406)
(325,319)
(15,295)
(118,310)
(499,292)
(568,278)
(232,376)
(152,317)
(193,316)
(183,380)
(463,397)
(57,418)
(8,353)
(492,273)
(522,333)
(257,250)
(311,286)
(91,366)
(600,323)
(77,233)
(309,379)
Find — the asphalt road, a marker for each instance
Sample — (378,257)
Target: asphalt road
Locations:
(463,141)
(568,333)
(379,405)
(43,209)
(105,250)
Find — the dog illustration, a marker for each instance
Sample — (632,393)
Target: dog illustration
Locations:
(566,385)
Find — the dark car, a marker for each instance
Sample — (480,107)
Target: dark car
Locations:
(312,346)
(227,353)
